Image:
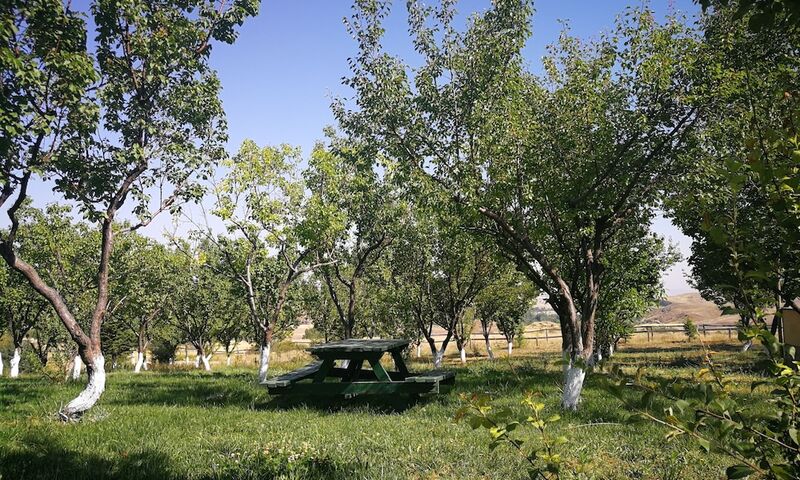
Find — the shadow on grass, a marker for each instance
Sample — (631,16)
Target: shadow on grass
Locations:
(39,457)
(24,389)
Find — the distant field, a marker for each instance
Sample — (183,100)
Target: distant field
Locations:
(185,424)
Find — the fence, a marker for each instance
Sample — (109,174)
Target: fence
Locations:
(547,334)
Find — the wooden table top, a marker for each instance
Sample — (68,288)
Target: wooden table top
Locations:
(357,345)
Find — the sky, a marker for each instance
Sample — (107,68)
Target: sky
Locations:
(280,75)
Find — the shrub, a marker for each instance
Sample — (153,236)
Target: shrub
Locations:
(703,409)
(690,329)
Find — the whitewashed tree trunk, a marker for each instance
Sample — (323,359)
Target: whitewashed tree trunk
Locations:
(611,350)
(139,362)
(263,364)
(13,372)
(437,358)
(573,384)
(96,372)
(197,361)
(463,353)
(510,348)
(1,364)
(206,362)
(489,350)
(419,350)
(77,363)
(747,345)
(228,359)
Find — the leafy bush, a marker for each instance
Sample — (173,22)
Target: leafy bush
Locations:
(703,408)
(545,462)
(690,329)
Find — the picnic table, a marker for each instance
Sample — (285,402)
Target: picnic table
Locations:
(325,378)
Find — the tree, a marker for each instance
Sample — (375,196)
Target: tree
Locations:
(362,208)
(554,168)
(635,265)
(504,303)
(745,224)
(22,308)
(271,222)
(201,304)
(438,270)
(158,125)
(141,285)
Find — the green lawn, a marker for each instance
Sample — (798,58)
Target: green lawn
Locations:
(222,425)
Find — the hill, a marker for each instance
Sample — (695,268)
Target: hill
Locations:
(677,308)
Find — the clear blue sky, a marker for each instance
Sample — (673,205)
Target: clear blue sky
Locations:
(279,77)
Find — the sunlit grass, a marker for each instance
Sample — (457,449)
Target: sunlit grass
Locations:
(222,425)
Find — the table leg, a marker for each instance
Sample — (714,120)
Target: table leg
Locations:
(352,370)
(399,363)
(380,372)
(324,370)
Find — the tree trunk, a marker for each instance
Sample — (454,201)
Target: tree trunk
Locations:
(139,362)
(573,383)
(438,356)
(1,364)
(463,353)
(14,371)
(746,346)
(76,368)
(611,350)
(419,350)
(263,364)
(197,360)
(96,372)
(206,359)
(228,359)
(489,350)
(510,347)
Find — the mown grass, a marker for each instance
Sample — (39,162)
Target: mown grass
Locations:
(179,424)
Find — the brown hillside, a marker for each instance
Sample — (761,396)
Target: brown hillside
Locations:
(677,308)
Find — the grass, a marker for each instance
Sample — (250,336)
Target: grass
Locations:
(185,424)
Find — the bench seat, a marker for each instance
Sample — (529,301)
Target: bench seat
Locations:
(289,378)
(432,376)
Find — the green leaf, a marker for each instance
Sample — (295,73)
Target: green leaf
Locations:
(738,471)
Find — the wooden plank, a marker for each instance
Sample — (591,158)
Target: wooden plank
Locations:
(324,370)
(308,371)
(432,376)
(357,388)
(399,363)
(359,345)
(380,372)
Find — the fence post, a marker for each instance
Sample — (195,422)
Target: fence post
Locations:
(703,326)
(546,335)
(729,333)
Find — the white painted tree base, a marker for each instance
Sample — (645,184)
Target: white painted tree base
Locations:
(13,372)
(206,362)
(89,396)
(139,362)
(510,348)
(438,358)
(419,351)
(489,350)
(1,364)
(747,345)
(463,353)
(573,384)
(263,363)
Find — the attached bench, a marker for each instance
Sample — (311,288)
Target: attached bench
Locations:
(441,380)
(289,378)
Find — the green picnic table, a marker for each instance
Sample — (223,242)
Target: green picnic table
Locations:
(325,378)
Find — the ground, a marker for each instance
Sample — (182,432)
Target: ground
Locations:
(185,424)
